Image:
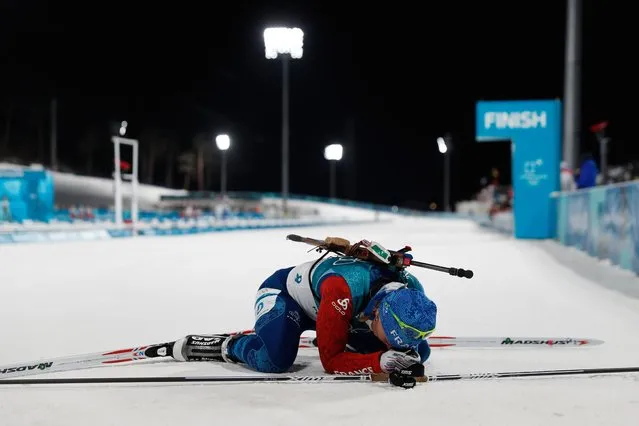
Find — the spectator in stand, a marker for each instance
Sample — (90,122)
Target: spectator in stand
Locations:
(74,212)
(567,178)
(587,172)
(188,212)
(5,209)
(89,213)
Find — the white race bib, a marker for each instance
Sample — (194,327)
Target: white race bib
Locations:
(299,287)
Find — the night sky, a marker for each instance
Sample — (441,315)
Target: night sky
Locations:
(385,80)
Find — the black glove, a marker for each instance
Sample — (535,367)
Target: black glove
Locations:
(405,378)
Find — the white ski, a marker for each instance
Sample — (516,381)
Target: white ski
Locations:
(511,342)
(82,361)
(492,342)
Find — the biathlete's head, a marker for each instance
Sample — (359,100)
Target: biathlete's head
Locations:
(403,317)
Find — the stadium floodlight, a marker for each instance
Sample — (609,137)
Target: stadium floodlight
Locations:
(441,144)
(223,143)
(333,153)
(444,145)
(285,43)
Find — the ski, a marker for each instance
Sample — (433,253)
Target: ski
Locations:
(141,353)
(98,359)
(320,378)
(510,342)
(491,342)
(84,361)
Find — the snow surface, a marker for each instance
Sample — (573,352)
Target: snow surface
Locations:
(89,296)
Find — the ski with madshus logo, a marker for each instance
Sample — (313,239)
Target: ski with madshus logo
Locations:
(491,342)
(510,342)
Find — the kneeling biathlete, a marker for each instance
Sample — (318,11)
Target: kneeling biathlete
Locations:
(369,318)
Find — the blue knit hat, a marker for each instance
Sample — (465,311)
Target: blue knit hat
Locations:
(407,316)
